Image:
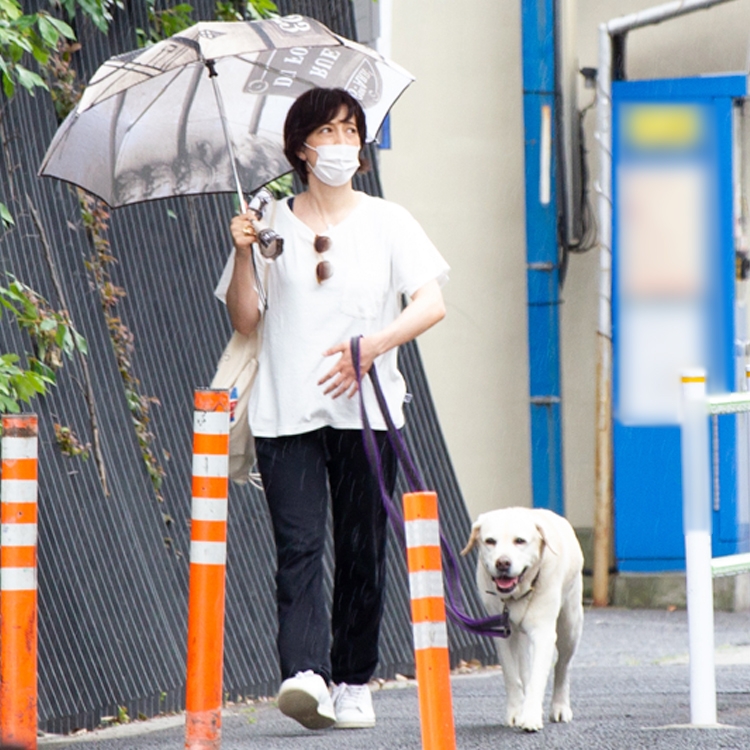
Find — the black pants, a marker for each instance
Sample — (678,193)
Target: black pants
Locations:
(299,474)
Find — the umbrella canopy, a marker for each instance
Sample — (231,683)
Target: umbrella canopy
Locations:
(203,111)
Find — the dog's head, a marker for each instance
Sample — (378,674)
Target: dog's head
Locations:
(511,543)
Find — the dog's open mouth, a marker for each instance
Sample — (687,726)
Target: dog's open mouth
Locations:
(506,584)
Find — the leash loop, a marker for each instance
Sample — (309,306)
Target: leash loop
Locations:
(496,626)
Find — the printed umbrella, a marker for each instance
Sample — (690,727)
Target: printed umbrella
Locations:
(203,111)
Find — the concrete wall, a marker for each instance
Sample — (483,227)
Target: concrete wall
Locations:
(457,164)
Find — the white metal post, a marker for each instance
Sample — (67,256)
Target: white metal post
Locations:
(696,515)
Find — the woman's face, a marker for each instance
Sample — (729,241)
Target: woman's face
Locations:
(340,130)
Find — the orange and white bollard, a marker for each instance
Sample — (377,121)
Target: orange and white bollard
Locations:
(428,620)
(208,554)
(18,591)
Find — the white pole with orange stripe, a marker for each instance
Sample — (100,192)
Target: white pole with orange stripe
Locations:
(428,620)
(696,515)
(208,554)
(18,576)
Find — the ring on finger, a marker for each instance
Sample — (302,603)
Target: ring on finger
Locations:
(247,230)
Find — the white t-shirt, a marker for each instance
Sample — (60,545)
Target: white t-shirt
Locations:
(378,253)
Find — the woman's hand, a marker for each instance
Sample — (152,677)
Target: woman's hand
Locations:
(342,377)
(242,296)
(425,309)
(243,234)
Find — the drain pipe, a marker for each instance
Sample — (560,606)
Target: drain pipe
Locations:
(612,37)
(542,255)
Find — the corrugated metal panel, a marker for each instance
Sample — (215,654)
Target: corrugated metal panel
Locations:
(112,595)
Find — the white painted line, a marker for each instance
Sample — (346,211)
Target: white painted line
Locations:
(17,579)
(430,635)
(18,535)
(19,490)
(426,583)
(422,533)
(208,465)
(211,422)
(207,509)
(208,553)
(19,447)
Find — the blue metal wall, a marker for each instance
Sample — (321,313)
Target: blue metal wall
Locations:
(542,256)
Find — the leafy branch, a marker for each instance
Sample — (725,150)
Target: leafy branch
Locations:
(164,23)
(38,35)
(52,335)
(95,217)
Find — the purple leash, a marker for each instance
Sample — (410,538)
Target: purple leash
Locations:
(496,626)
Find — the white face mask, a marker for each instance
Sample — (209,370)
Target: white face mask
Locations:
(336,163)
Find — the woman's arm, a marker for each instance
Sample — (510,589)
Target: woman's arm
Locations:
(242,296)
(425,309)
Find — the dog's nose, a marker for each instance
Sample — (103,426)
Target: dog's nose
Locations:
(502,564)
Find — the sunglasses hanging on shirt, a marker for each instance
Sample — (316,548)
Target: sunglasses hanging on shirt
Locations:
(324,269)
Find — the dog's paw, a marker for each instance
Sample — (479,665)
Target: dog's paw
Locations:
(561,712)
(511,715)
(530,720)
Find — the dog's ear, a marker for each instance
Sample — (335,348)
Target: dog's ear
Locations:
(472,538)
(545,543)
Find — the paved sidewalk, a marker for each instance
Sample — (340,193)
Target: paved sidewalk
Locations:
(630,690)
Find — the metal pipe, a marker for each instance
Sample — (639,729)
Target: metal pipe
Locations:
(657,14)
(603,459)
(696,519)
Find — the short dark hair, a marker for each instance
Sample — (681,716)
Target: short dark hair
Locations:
(312,109)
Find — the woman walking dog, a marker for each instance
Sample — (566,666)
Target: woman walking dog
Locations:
(348,259)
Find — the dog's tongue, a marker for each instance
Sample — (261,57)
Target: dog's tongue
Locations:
(506,584)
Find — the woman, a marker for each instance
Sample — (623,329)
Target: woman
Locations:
(348,258)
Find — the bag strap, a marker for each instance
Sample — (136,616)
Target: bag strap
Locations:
(497,626)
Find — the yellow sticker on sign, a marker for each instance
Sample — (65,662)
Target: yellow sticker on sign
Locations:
(664,126)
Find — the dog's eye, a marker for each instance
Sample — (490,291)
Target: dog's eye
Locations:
(518,541)
(490,542)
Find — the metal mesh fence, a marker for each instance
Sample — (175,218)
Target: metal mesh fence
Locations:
(113,569)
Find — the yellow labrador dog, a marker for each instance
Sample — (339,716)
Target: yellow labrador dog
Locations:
(530,565)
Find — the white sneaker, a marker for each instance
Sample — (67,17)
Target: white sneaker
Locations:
(306,699)
(353,706)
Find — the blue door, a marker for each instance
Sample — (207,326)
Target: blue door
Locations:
(673,306)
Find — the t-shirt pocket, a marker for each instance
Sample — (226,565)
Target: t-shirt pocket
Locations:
(361,303)
(364,292)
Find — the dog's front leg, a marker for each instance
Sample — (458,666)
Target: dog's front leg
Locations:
(569,626)
(506,651)
(541,653)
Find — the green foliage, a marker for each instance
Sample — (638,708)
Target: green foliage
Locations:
(64,86)
(239,10)
(99,11)
(164,23)
(38,35)
(69,444)
(52,335)
(21,35)
(6,219)
(168,21)
(257,9)
(17,384)
(95,217)
(228,11)
(281,186)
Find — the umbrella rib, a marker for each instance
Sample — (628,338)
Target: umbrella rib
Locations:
(153,102)
(144,69)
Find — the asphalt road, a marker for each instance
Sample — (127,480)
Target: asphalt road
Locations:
(630,690)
